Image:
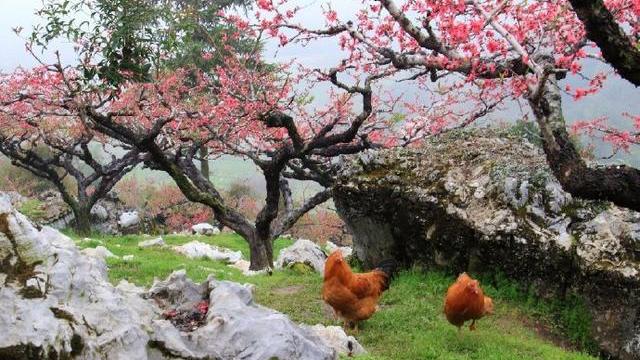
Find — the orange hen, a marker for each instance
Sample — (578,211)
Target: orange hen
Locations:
(466,301)
(353,297)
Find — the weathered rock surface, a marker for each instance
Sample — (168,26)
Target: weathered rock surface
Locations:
(56,303)
(236,327)
(302,252)
(151,243)
(485,201)
(204,229)
(197,249)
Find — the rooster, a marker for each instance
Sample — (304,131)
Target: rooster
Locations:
(466,301)
(354,297)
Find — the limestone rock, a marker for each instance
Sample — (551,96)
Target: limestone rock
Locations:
(197,249)
(302,252)
(337,339)
(235,326)
(77,313)
(485,200)
(204,229)
(129,219)
(151,243)
(57,303)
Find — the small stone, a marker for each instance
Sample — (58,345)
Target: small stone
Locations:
(204,229)
(151,243)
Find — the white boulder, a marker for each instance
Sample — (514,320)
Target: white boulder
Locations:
(197,250)
(302,252)
(204,229)
(129,219)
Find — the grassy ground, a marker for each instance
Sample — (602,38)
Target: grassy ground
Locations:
(410,324)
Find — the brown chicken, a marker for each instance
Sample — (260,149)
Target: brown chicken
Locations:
(353,297)
(466,301)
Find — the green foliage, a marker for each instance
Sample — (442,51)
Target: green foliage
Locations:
(131,38)
(122,33)
(194,27)
(410,323)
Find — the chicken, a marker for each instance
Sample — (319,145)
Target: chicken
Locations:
(466,301)
(354,297)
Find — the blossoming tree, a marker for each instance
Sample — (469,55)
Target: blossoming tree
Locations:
(240,107)
(504,49)
(44,133)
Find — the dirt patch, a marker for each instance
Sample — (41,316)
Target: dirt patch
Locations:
(288,290)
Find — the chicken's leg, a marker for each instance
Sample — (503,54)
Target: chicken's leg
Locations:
(472,327)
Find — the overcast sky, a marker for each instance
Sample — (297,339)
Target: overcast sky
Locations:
(617,97)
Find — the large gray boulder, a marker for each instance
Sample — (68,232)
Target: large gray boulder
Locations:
(56,303)
(486,201)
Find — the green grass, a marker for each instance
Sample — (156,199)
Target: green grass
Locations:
(410,323)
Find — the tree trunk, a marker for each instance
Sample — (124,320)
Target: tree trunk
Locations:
(204,163)
(618,183)
(82,221)
(603,29)
(260,253)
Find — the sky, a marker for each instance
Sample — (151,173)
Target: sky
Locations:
(618,96)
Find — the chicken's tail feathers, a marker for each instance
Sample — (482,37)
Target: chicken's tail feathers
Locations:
(390,268)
